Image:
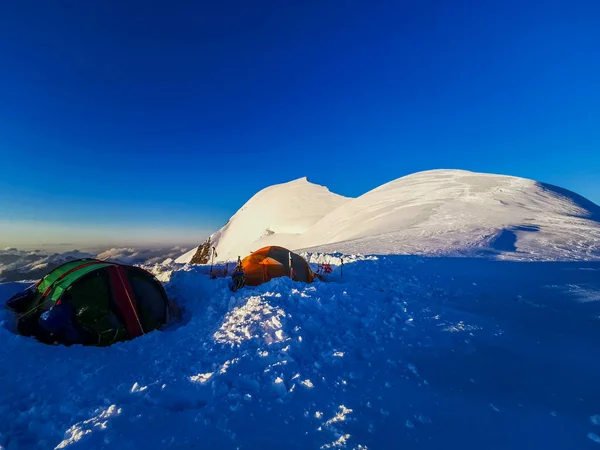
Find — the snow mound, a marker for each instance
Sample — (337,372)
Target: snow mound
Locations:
(279,213)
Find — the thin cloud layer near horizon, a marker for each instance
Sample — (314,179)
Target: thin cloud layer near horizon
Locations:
(51,237)
(151,124)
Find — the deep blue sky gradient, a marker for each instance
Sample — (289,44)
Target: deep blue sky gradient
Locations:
(170,115)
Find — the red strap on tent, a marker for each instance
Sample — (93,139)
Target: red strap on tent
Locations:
(123,296)
(47,291)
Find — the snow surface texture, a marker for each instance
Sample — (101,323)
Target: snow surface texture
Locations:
(399,352)
(442,212)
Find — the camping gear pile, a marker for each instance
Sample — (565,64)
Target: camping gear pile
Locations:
(91,302)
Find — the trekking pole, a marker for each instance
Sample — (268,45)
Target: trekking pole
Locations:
(342,268)
(212,262)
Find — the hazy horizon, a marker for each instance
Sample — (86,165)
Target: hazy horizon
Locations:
(95,248)
(32,235)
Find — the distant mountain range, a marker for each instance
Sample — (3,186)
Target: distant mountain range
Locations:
(16,265)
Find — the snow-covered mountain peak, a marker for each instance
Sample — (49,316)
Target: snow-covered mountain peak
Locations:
(300,180)
(278,213)
(440,211)
(443,211)
(291,187)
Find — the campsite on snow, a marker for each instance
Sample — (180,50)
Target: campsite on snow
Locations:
(445,309)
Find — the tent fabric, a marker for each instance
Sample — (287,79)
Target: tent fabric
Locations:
(60,271)
(273,262)
(61,284)
(96,310)
(148,292)
(109,302)
(123,296)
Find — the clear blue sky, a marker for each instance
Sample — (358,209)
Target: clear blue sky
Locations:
(155,120)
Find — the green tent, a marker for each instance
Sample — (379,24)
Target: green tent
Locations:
(106,302)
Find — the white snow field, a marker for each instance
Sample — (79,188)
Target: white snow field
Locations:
(436,212)
(399,352)
(466,315)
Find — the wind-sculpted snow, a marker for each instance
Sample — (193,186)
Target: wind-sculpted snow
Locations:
(436,212)
(399,352)
(451,212)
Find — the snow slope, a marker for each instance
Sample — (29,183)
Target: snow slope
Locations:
(400,352)
(447,212)
(278,213)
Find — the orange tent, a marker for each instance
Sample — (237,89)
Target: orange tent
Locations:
(273,262)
